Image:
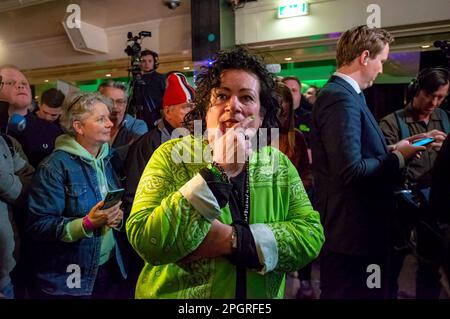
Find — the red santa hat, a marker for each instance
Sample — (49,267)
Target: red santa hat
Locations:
(178,90)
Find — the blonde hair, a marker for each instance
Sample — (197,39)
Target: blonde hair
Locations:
(354,41)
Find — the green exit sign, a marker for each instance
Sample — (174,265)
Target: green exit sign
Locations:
(290,9)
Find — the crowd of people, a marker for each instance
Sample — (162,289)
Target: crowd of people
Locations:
(228,186)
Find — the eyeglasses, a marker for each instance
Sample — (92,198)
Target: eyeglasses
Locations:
(119,101)
(14,83)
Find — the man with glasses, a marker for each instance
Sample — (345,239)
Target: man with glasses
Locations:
(38,136)
(126,128)
(16,90)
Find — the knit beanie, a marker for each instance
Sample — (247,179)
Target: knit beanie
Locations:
(178,90)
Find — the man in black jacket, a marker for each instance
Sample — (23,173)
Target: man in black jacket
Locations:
(147,98)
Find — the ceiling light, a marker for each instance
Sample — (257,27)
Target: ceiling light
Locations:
(46,81)
(108,75)
(425,46)
(288,59)
(186,68)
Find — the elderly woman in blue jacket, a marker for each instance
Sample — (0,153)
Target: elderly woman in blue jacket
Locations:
(73,238)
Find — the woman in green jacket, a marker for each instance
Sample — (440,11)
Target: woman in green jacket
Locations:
(223,216)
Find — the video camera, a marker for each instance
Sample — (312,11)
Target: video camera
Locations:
(445,48)
(133,50)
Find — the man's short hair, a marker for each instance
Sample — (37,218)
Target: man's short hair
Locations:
(9,66)
(53,98)
(292,78)
(113,84)
(315,87)
(354,41)
(428,80)
(149,52)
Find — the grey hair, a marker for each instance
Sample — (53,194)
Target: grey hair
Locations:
(113,84)
(79,104)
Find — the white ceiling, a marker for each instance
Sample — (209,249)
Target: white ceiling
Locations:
(41,19)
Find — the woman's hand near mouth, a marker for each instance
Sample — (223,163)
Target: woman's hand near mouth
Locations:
(232,149)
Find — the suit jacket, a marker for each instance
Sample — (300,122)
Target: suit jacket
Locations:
(353,170)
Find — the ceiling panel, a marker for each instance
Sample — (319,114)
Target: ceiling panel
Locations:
(38,19)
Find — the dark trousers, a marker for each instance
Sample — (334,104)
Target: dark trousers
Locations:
(345,277)
(446,254)
(397,258)
(429,251)
(305,272)
(428,284)
(133,265)
(107,285)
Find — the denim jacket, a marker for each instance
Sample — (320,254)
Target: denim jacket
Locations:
(65,188)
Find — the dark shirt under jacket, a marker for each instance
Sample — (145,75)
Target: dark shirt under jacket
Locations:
(38,138)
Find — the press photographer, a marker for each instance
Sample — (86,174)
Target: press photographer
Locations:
(148,85)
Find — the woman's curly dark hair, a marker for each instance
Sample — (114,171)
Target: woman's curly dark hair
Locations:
(237,58)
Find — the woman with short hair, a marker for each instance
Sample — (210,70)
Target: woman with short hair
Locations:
(75,252)
(211,217)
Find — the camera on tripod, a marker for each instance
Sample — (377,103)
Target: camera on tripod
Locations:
(133,50)
(444,46)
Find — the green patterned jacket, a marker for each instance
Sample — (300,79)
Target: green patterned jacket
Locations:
(174,206)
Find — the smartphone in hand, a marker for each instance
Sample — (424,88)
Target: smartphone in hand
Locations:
(113,197)
(424,141)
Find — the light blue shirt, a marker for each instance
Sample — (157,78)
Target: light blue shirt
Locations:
(349,80)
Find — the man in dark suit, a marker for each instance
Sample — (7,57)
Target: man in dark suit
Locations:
(354,171)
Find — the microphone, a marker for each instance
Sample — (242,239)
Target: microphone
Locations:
(17,123)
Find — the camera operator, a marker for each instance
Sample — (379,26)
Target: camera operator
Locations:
(421,115)
(150,95)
